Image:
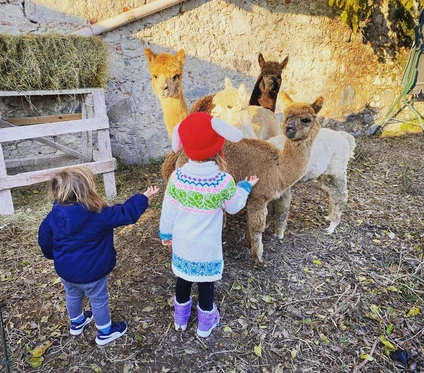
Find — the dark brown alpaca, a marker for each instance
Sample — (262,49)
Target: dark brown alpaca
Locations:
(268,83)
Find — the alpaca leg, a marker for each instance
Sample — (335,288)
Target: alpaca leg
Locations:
(270,216)
(281,213)
(336,190)
(256,220)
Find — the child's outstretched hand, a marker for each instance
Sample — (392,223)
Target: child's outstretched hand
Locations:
(252,180)
(167,242)
(151,191)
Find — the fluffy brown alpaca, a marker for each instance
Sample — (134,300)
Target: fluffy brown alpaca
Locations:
(276,169)
(166,71)
(268,83)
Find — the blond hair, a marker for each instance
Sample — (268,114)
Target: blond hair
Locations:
(219,159)
(77,185)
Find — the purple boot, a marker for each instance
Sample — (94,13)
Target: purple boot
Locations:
(181,314)
(207,321)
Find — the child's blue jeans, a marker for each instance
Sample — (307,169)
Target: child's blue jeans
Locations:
(99,299)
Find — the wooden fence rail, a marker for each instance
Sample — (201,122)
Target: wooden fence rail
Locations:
(94,118)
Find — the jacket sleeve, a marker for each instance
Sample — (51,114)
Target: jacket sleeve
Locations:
(126,213)
(237,196)
(169,212)
(45,237)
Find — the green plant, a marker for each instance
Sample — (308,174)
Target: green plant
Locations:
(355,13)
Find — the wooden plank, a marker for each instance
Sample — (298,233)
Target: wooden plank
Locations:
(28,178)
(103,139)
(53,129)
(6,202)
(46,119)
(87,137)
(53,144)
(78,91)
(35,161)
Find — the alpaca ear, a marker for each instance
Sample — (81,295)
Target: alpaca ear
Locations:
(284,63)
(227,83)
(285,98)
(227,131)
(261,60)
(317,105)
(176,140)
(243,93)
(149,54)
(181,56)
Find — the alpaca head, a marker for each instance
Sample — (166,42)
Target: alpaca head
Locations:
(166,71)
(270,76)
(300,120)
(231,105)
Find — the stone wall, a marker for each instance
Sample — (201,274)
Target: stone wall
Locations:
(221,39)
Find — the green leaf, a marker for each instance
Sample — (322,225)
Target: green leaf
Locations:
(227,329)
(258,349)
(366,357)
(40,350)
(389,328)
(267,298)
(385,342)
(35,362)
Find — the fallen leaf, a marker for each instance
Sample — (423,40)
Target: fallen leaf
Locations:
(385,342)
(40,350)
(35,362)
(258,350)
(366,357)
(414,311)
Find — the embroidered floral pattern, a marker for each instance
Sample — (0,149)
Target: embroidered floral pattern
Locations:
(197,268)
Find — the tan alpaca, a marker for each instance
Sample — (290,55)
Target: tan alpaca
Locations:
(277,169)
(166,71)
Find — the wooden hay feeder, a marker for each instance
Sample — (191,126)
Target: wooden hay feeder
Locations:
(55,65)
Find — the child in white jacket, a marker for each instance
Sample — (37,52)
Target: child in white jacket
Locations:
(192,214)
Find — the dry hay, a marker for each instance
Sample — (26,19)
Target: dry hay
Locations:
(51,62)
(323,303)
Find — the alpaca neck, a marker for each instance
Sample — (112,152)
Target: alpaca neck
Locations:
(174,110)
(295,158)
(268,100)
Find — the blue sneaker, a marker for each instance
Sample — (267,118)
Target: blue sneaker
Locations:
(117,329)
(78,327)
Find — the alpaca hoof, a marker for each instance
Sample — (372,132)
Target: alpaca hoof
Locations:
(259,262)
(331,228)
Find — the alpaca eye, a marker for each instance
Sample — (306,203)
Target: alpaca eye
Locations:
(155,76)
(229,107)
(305,120)
(175,77)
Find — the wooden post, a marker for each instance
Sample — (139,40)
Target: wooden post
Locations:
(87,137)
(6,203)
(103,139)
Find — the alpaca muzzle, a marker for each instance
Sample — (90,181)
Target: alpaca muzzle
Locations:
(291,131)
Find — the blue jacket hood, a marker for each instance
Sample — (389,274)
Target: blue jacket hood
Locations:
(70,219)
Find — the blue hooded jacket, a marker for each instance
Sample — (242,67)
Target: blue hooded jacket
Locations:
(81,241)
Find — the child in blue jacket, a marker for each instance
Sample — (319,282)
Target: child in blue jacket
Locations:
(78,235)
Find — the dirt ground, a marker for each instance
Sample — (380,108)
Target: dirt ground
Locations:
(323,303)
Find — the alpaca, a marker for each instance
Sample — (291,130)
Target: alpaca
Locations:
(232,105)
(268,83)
(276,169)
(166,71)
(331,152)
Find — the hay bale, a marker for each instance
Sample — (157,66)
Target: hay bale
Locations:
(51,62)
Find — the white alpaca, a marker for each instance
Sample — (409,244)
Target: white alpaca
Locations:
(232,106)
(331,152)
